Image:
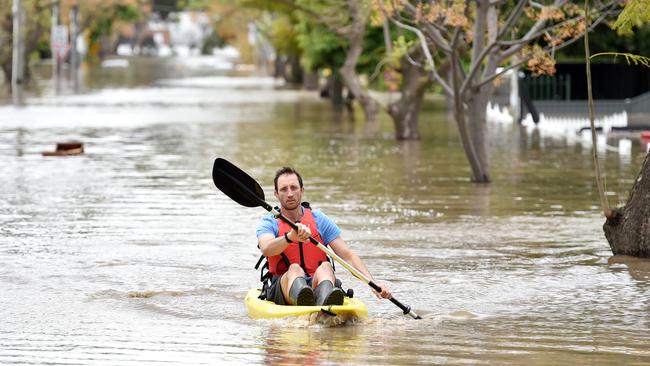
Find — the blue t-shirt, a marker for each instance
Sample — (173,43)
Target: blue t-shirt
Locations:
(326,227)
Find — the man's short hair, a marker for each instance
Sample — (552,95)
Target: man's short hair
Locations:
(283,171)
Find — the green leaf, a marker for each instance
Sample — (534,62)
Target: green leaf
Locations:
(635,14)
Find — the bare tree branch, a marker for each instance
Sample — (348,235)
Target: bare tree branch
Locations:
(517,45)
(512,18)
(485,20)
(427,54)
(455,47)
(479,28)
(433,34)
(387,41)
(545,49)
(436,36)
(536,28)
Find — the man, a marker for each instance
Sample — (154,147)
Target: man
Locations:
(301,273)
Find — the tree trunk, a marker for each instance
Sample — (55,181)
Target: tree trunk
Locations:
(470,93)
(477,128)
(369,105)
(7,52)
(335,90)
(628,230)
(6,73)
(310,81)
(405,111)
(278,67)
(406,117)
(449,99)
(348,70)
(461,109)
(296,69)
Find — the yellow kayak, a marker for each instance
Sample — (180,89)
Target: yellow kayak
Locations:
(264,309)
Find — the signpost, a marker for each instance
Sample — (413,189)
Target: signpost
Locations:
(60,43)
(55,41)
(74,53)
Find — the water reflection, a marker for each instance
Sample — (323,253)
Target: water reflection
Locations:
(638,268)
(286,344)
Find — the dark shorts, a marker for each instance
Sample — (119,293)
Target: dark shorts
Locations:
(274,293)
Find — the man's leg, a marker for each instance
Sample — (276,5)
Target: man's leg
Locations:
(323,283)
(323,272)
(295,288)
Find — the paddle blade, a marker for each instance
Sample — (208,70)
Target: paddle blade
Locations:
(236,184)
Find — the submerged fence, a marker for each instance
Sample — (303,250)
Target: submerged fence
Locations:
(636,105)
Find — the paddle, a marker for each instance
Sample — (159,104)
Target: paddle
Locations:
(243,189)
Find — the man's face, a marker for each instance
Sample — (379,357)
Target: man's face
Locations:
(289,192)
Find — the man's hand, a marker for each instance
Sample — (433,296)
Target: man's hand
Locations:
(302,235)
(385,291)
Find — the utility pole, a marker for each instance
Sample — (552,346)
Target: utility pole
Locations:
(74,55)
(56,67)
(17,67)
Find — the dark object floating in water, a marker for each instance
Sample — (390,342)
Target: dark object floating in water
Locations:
(66,149)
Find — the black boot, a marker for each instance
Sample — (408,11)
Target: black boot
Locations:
(327,294)
(300,293)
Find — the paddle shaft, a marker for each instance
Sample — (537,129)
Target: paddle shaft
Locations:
(405,308)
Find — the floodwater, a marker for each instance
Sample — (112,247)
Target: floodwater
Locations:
(129,255)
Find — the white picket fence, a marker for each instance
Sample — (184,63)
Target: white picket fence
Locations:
(574,130)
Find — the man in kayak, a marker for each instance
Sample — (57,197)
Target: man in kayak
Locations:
(301,273)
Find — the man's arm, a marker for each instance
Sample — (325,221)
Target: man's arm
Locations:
(343,250)
(270,245)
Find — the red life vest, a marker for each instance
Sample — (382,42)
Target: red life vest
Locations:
(307,255)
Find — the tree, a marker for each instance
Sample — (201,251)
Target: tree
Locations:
(323,50)
(323,30)
(230,21)
(97,18)
(627,228)
(348,19)
(407,65)
(277,22)
(475,38)
(326,50)
(36,24)
(338,34)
